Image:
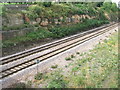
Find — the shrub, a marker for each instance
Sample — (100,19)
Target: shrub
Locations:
(40,3)
(35,8)
(47,4)
(32,15)
(55,32)
(7,43)
(34,11)
(63,31)
(3,10)
(41,33)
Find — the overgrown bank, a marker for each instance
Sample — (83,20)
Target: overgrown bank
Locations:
(56,32)
(47,22)
(47,14)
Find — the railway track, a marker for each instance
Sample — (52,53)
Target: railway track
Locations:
(17,62)
(23,54)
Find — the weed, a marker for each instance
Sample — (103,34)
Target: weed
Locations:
(54,66)
(29,83)
(19,85)
(78,81)
(66,66)
(81,54)
(68,58)
(72,56)
(75,69)
(46,77)
(38,76)
(57,81)
(79,65)
(77,52)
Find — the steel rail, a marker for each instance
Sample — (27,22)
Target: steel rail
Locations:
(31,62)
(14,57)
(22,60)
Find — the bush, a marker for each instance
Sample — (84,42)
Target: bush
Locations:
(47,4)
(41,33)
(40,3)
(59,32)
(35,8)
(34,11)
(3,10)
(55,32)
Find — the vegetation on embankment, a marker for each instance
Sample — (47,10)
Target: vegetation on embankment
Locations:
(98,14)
(54,13)
(56,32)
(97,68)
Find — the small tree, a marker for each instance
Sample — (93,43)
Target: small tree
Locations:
(114,7)
(35,9)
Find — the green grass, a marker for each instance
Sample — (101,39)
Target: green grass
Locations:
(99,69)
(39,34)
(94,73)
(56,80)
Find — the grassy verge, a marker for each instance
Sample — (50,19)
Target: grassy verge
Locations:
(56,32)
(99,64)
(97,69)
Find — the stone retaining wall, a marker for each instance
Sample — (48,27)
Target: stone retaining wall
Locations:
(13,20)
(13,33)
(17,6)
(60,20)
